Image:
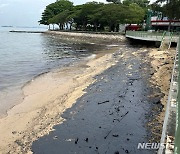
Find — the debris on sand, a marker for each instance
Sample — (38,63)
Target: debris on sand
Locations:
(76,141)
(103,102)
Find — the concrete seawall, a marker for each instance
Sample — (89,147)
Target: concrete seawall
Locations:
(168,132)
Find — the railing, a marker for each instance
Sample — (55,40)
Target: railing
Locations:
(177,136)
(144,34)
(162,39)
(169,125)
(170,41)
(152,36)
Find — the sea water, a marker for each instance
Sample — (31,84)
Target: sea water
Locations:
(26,55)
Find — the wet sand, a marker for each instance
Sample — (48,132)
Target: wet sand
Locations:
(102,105)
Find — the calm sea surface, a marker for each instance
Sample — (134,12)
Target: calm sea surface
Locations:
(26,55)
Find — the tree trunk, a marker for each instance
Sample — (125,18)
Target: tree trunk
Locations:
(112,28)
(67,27)
(84,26)
(95,25)
(117,28)
(62,26)
(70,25)
(102,27)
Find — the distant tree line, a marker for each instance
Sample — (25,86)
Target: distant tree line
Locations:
(94,16)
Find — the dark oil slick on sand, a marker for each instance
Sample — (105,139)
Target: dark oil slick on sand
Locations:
(111,117)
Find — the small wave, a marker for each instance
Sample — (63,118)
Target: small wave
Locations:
(92,56)
(113,45)
(35,77)
(81,50)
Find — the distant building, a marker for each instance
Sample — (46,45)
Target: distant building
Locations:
(133,27)
(156,21)
(164,24)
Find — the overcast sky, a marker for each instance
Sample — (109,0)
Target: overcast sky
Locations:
(25,12)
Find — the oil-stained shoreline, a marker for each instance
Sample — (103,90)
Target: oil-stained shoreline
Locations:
(117,112)
(111,115)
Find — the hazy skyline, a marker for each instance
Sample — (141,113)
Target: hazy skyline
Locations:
(25,12)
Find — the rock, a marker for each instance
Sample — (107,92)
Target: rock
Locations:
(76,141)
(86,139)
(152,73)
(157,102)
(55,137)
(115,135)
(14,132)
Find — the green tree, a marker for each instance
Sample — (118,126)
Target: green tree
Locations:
(142,3)
(112,15)
(93,15)
(74,17)
(114,1)
(170,8)
(60,19)
(54,9)
(86,14)
(47,14)
(135,14)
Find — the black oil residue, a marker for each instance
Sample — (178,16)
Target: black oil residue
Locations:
(112,117)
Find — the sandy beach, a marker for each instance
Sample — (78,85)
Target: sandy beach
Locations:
(51,95)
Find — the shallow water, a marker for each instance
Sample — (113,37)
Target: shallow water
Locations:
(26,55)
